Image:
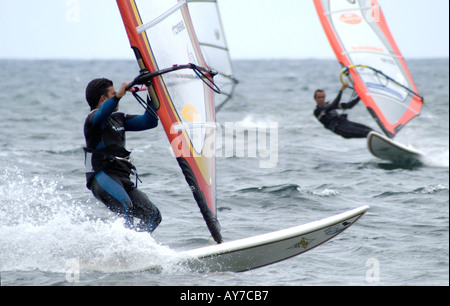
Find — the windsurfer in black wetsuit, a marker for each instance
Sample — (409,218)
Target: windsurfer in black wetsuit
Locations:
(108,165)
(326,113)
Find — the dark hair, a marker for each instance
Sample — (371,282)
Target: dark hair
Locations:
(95,90)
(317,91)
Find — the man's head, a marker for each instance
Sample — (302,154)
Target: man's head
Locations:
(319,96)
(99,90)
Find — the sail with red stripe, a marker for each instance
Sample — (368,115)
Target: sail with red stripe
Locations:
(363,44)
(165,44)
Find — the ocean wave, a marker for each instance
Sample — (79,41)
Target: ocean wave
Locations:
(290,189)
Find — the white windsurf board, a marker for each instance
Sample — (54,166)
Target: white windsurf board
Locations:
(385,148)
(254,252)
(259,251)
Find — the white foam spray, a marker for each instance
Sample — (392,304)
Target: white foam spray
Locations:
(43,228)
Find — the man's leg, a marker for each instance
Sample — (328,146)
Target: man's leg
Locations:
(145,210)
(348,129)
(114,196)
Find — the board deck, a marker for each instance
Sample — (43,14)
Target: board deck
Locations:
(255,252)
(385,148)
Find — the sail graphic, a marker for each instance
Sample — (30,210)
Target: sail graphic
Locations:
(363,44)
(209,29)
(169,56)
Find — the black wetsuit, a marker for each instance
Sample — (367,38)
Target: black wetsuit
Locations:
(338,123)
(108,167)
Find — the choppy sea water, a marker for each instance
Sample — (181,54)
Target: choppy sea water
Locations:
(50,223)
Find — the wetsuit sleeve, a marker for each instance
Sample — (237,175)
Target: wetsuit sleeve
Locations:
(350,104)
(105,110)
(335,103)
(148,120)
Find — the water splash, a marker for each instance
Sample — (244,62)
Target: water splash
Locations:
(437,158)
(42,228)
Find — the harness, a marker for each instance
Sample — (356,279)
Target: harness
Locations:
(114,158)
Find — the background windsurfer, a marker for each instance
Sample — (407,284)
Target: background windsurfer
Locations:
(326,113)
(108,164)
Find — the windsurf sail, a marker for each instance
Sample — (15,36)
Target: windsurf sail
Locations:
(172,67)
(209,29)
(364,46)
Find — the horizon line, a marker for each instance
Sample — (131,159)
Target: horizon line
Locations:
(233,59)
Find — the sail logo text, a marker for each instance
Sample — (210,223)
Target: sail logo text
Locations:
(351,18)
(371,13)
(229,140)
(178,28)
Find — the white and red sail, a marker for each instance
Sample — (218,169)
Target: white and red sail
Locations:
(162,35)
(361,40)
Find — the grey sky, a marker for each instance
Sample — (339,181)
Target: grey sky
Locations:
(93,29)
